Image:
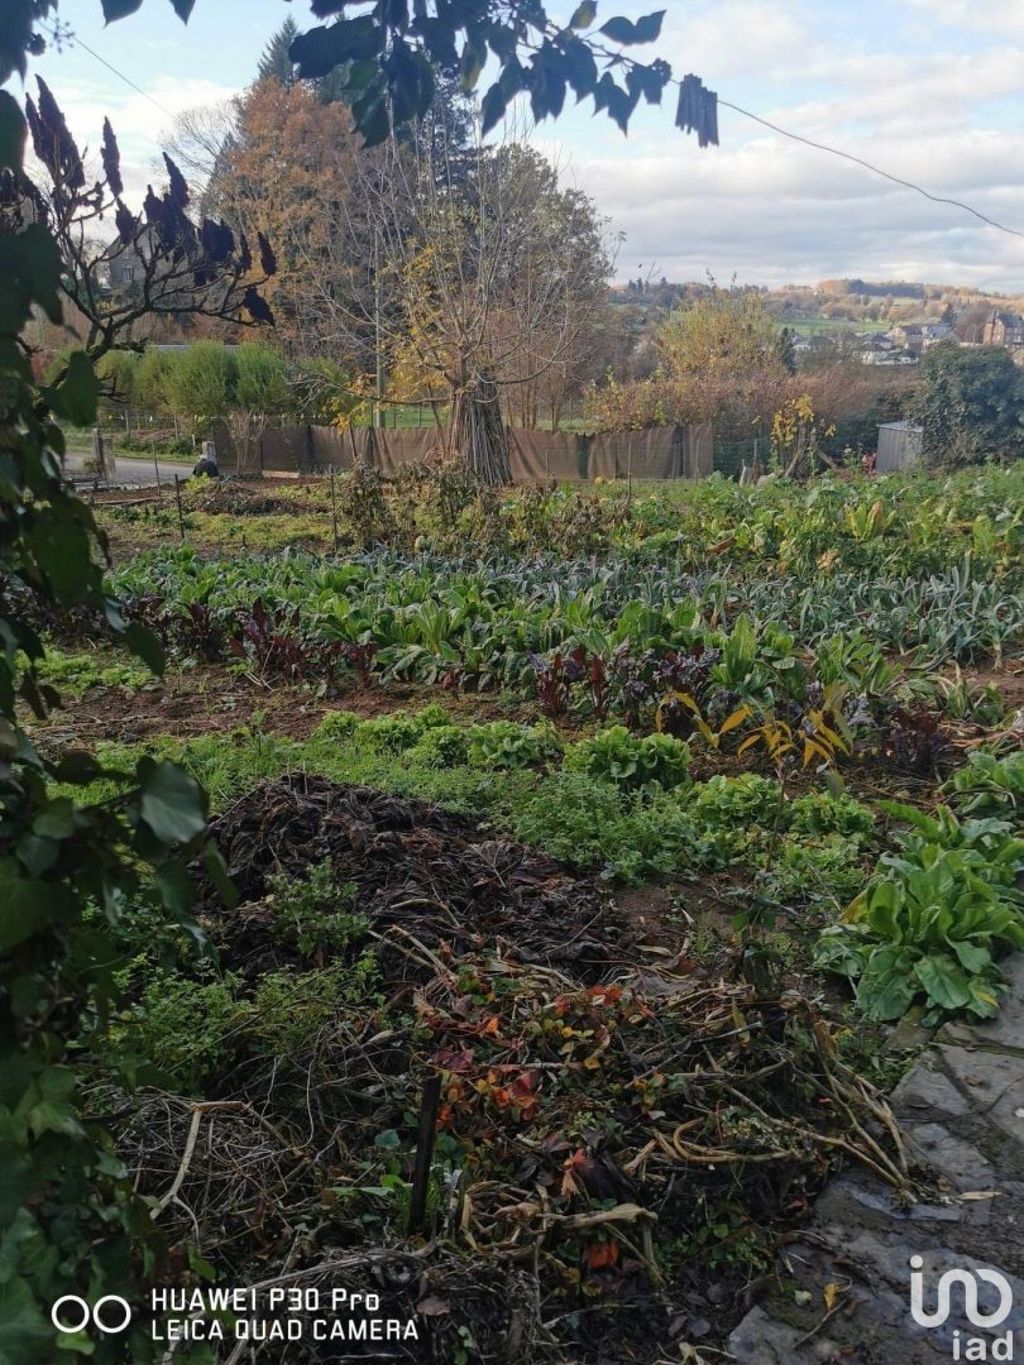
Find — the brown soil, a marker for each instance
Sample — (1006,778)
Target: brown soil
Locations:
(1008,680)
(211,698)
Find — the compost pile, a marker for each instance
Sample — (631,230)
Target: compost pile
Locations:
(618,1146)
(425,877)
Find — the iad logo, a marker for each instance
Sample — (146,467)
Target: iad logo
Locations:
(965,1348)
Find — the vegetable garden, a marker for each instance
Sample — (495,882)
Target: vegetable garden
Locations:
(619,825)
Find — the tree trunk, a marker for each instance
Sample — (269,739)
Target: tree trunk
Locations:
(478,431)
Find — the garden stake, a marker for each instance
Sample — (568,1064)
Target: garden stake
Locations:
(334,510)
(181,514)
(429,1106)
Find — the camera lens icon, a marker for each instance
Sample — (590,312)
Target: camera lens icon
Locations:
(110,1315)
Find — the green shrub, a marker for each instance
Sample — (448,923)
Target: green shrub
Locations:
(504,744)
(631,761)
(592,824)
(189,1028)
(828,869)
(402,729)
(338,725)
(314,913)
(736,803)
(291,1012)
(74,674)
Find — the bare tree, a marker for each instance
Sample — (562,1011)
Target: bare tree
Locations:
(198,142)
(481,279)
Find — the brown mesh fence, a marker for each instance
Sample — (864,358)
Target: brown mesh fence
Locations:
(536,456)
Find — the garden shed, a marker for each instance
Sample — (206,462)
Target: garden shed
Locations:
(899,445)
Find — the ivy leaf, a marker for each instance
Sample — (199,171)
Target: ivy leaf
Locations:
(29,906)
(183,9)
(372,119)
(217,869)
(172,803)
(175,888)
(30,269)
(25,1335)
(145,646)
(492,107)
(319,51)
(474,57)
(78,768)
(56,820)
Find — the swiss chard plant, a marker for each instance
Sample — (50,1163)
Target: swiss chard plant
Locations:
(934,919)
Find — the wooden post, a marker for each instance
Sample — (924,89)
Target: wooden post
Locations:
(181,514)
(156,469)
(425,1135)
(334,509)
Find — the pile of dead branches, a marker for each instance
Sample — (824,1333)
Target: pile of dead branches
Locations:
(614,1149)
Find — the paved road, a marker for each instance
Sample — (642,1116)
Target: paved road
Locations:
(136,471)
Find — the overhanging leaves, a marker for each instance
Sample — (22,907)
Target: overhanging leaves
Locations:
(630,34)
(171,802)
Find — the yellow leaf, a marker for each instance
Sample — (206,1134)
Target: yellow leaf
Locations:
(737,718)
(831,1294)
(749,743)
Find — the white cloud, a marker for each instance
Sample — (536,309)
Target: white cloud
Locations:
(932,112)
(993,16)
(139,121)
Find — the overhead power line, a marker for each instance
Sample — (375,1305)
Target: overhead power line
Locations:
(77,42)
(870,166)
(725,104)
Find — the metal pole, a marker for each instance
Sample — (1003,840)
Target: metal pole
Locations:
(425,1135)
(181,514)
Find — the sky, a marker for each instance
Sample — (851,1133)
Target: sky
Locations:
(931,90)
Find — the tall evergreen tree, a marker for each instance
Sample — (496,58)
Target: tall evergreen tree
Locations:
(276,62)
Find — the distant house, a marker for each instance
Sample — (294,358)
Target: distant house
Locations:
(934,332)
(875,341)
(124,264)
(1003,329)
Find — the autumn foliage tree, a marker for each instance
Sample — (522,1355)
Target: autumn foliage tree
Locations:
(289,159)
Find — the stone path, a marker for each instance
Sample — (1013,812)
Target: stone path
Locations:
(962,1106)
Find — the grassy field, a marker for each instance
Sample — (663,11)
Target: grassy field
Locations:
(810,327)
